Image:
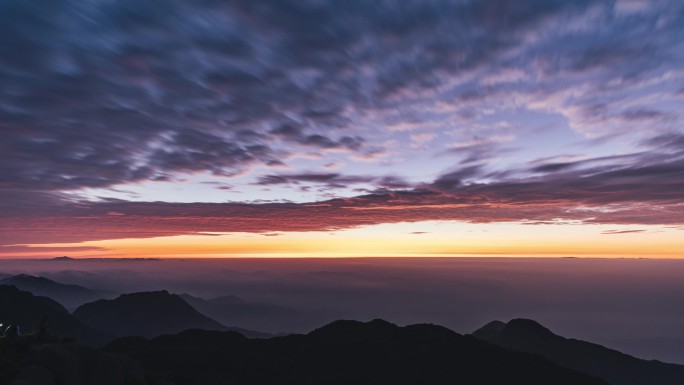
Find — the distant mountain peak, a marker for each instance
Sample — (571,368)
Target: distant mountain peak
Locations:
(25,309)
(148,294)
(237,312)
(346,331)
(529,336)
(490,330)
(516,328)
(147,314)
(348,325)
(524,325)
(228,299)
(29,277)
(70,296)
(379,322)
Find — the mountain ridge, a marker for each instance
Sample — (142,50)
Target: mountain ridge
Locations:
(235,311)
(145,314)
(343,352)
(69,295)
(149,314)
(26,310)
(616,367)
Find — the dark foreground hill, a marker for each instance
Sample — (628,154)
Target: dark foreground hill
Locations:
(70,296)
(26,363)
(617,368)
(344,352)
(148,314)
(26,310)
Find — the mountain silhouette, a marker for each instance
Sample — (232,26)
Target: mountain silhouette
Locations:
(232,310)
(70,296)
(148,314)
(343,352)
(26,310)
(71,364)
(617,368)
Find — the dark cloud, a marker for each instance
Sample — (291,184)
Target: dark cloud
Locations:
(670,142)
(553,167)
(309,177)
(616,52)
(318,140)
(96,94)
(600,185)
(33,249)
(334,180)
(192,150)
(393,183)
(598,163)
(479,150)
(644,114)
(622,231)
(296,135)
(219,185)
(636,194)
(456,179)
(27,203)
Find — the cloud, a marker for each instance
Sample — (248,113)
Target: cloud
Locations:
(638,193)
(456,179)
(504,76)
(480,149)
(220,185)
(38,249)
(604,161)
(419,140)
(631,6)
(669,142)
(622,231)
(297,136)
(326,178)
(192,150)
(98,94)
(336,180)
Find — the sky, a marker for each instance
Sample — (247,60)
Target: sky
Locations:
(212,128)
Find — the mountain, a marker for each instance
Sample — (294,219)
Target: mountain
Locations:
(617,368)
(66,363)
(144,314)
(343,352)
(232,310)
(27,310)
(148,314)
(71,296)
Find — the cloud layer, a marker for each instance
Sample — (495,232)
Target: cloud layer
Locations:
(432,110)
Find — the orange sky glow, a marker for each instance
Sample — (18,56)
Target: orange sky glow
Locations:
(430,238)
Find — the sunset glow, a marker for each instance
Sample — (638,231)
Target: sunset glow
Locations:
(433,239)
